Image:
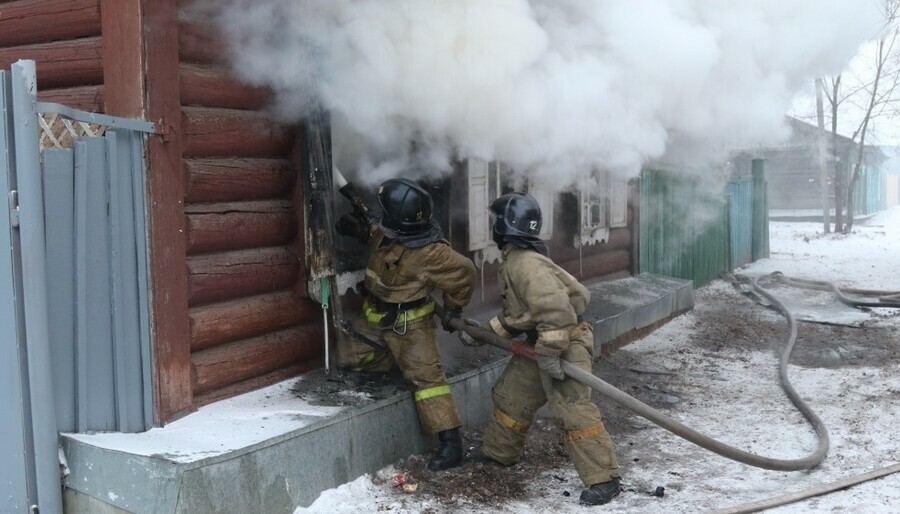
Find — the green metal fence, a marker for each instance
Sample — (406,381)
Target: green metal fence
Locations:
(683,229)
(693,228)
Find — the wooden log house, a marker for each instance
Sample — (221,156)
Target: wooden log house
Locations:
(229,306)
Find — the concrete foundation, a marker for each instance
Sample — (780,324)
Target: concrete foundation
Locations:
(290,469)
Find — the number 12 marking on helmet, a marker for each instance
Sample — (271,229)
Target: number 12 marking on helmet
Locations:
(532,225)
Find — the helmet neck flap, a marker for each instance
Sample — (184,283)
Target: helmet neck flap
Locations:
(517,220)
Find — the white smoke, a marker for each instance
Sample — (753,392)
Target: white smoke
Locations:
(553,87)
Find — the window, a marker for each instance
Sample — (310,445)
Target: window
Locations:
(604,204)
(487,182)
(484,187)
(543,192)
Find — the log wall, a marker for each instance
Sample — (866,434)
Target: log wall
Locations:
(248,325)
(63,37)
(224,238)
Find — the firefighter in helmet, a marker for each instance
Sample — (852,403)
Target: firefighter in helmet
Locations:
(408,259)
(543,301)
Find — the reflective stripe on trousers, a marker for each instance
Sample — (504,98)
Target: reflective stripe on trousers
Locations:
(431,392)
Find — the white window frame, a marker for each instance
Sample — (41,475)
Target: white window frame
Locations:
(479,187)
(485,180)
(603,204)
(545,194)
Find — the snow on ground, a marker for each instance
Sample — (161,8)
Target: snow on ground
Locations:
(732,393)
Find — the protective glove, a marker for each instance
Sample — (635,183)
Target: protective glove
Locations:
(450,313)
(353,225)
(551,366)
(465,337)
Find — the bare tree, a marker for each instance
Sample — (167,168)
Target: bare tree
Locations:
(886,77)
(823,171)
(875,96)
(835,100)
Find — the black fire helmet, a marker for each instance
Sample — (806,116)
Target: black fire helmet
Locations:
(517,220)
(407,208)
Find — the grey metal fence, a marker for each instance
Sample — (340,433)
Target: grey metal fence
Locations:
(17,477)
(74,315)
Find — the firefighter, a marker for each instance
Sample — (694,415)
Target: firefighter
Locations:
(408,259)
(543,301)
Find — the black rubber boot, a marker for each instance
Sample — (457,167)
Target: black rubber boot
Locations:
(598,494)
(450,453)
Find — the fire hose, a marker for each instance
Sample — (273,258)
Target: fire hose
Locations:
(883,299)
(676,427)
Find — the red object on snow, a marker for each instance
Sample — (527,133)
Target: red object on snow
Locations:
(398,479)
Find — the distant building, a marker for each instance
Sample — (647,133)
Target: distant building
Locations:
(890,177)
(792,171)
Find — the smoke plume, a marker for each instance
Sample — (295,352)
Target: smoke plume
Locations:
(553,87)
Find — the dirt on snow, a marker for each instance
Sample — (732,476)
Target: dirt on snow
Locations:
(723,320)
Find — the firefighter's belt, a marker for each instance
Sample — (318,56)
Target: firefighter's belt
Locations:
(385,314)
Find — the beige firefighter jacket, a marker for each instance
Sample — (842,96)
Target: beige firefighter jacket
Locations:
(397,274)
(538,295)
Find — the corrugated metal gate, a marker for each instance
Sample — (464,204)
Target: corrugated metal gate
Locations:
(683,230)
(75,348)
(689,230)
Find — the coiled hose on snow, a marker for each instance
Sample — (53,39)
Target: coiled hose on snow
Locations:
(882,299)
(885,299)
(672,425)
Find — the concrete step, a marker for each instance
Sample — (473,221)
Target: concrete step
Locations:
(277,448)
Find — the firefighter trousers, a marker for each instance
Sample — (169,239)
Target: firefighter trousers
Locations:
(522,389)
(416,354)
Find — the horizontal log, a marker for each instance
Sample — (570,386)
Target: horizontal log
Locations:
(228,275)
(25,22)
(209,132)
(215,227)
(594,266)
(257,382)
(220,323)
(62,63)
(234,362)
(612,276)
(85,98)
(214,86)
(224,180)
(201,43)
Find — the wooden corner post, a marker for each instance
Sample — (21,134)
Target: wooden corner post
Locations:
(141,79)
